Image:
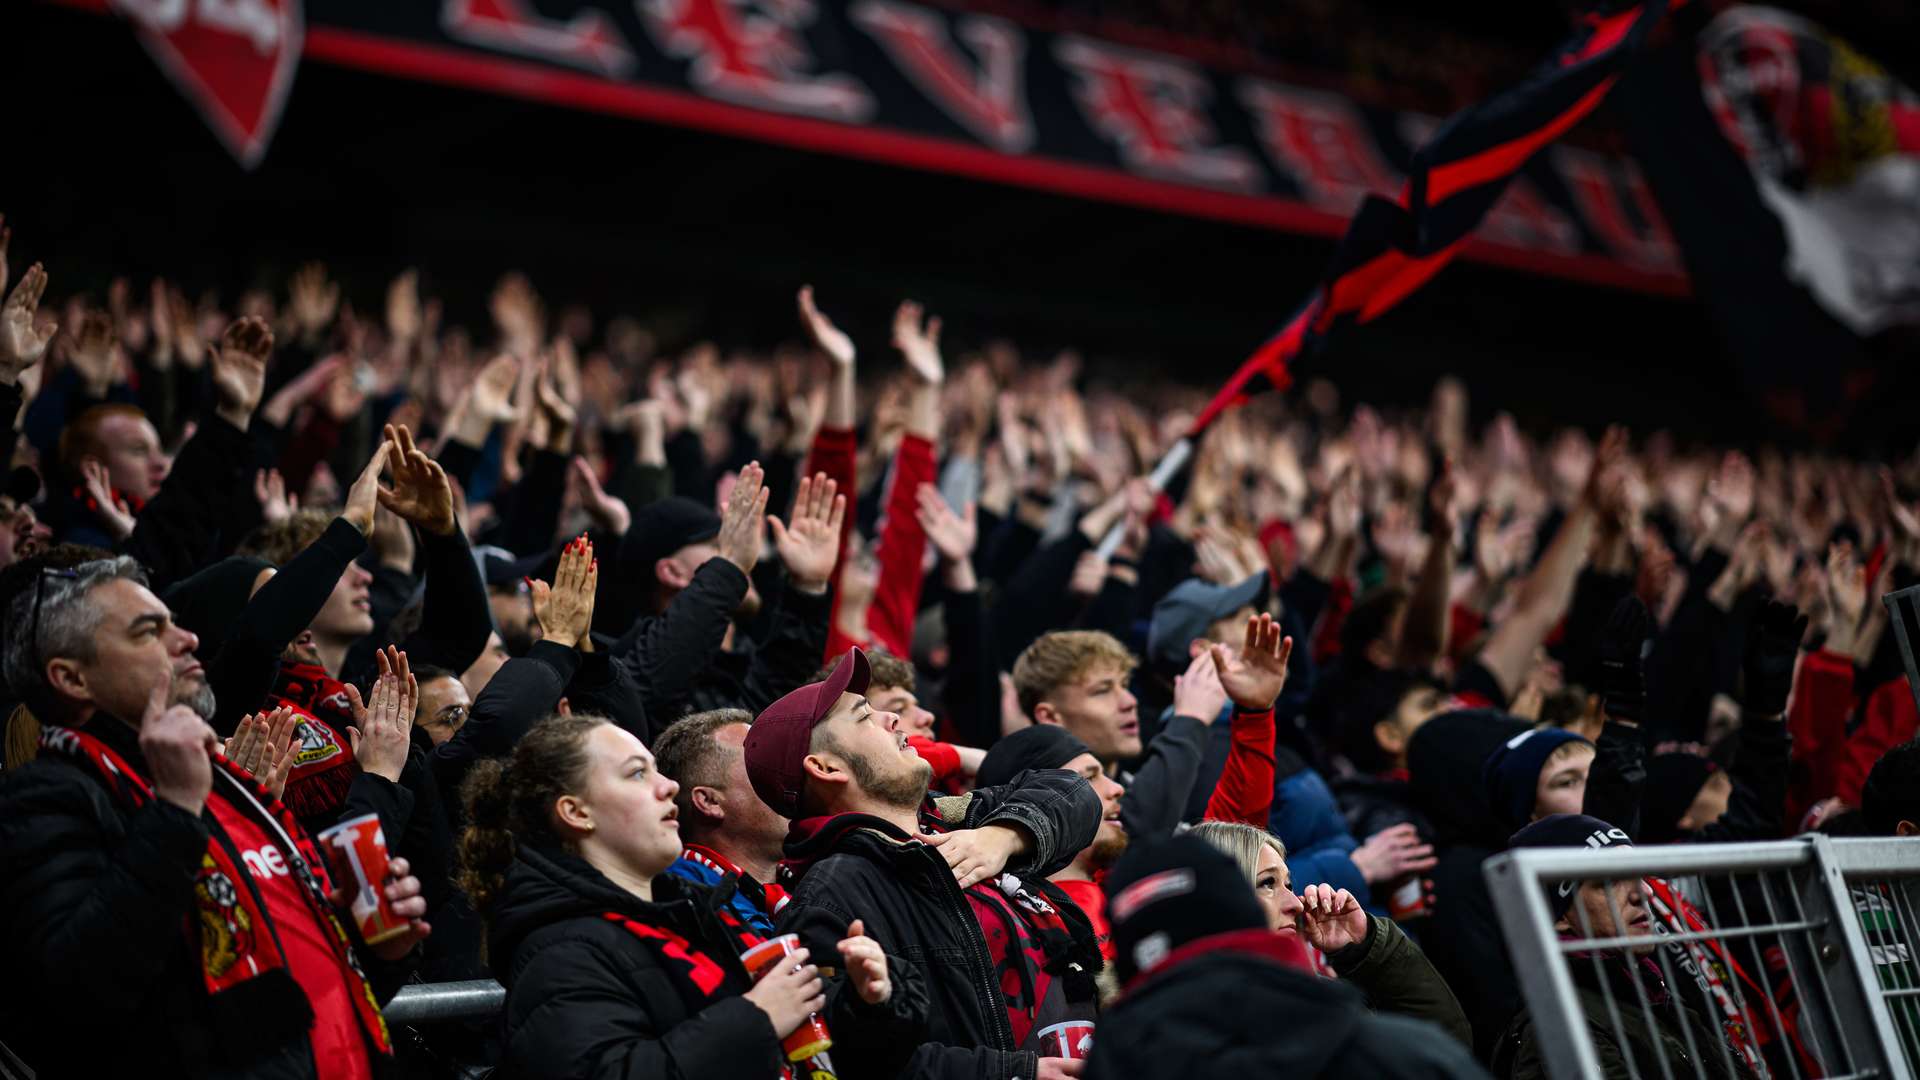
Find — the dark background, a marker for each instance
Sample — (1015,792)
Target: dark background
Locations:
(109,171)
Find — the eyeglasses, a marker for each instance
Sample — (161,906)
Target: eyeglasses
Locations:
(39,594)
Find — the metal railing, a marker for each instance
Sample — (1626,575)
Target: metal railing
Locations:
(1790,958)
(432,1003)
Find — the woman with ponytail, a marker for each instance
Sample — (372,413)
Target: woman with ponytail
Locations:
(614,967)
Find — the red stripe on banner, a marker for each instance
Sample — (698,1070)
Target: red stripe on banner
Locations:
(1270,360)
(1446,181)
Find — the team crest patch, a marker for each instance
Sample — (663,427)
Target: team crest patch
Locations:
(224,925)
(317,744)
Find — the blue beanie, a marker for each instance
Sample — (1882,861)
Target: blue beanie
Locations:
(1512,771)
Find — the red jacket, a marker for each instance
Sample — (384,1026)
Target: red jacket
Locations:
(903,543)
(1245,790)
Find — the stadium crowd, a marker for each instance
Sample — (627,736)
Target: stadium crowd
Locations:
(854,669)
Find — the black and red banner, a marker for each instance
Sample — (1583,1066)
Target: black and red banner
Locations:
(924,86)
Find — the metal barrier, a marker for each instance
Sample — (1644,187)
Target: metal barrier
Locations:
(432,1003)
(1787,958)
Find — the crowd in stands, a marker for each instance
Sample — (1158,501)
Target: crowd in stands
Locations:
(854,668)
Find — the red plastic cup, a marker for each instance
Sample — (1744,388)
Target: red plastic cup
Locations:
(356,853)
(1073,1039)
(811,1037)
(1409,901)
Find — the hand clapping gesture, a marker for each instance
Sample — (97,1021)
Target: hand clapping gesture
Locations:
(565,608)
(741,519)
(23,336)
(240,369)
(383,726)
(1255,674)
(264,748)
(421,492)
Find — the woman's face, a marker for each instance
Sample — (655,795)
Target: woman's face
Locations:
(629,804)
(1273,885)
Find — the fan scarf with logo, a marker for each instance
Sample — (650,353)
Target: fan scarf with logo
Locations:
(230,931)
(323,767)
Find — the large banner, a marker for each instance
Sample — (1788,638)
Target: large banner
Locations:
(934,88)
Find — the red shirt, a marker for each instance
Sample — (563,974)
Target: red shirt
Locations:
(1018,960)
(339,1046)
(1093,900)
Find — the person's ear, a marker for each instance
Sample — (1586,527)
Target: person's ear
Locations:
(1045,713)
(1196,647)
(1388,735)
(826,768)
(1380,653)
(573,813)
(1906,828)
(671,573)
(706,800)
(65,678)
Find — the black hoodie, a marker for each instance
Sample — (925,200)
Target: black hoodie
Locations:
(587,995)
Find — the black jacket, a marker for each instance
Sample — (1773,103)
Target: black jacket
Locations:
(101,980)
(859,867)
(586,997)
(677,658)
(1228,1007)
(1632,1046)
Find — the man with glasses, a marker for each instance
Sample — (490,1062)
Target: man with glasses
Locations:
(150,889)
(443,703)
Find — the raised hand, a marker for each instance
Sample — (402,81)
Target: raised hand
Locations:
(491,398)
(1198,693)
(1331,918)
(421,492)
(363,497)
(952,535)
(403,307)
(23,337)
(1773,645)
(829,338)
(608,511)
(382,726)
(92,353)
(270,491)
(312,300)
(517,315)
(565,608)
(559,413)
(264,748)
(918,343)
(865,964)
(240,369)
(742,518)
(810,546)
(1255,674)
(106,503)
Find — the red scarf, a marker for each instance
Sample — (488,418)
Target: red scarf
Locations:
(323,769)
(774,895)
(230,929)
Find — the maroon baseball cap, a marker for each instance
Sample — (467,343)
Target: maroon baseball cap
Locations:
(777,740)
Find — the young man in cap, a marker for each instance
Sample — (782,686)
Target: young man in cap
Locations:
(693,570)
(729,832)
(1598,910)
(1209,991)
(955,882)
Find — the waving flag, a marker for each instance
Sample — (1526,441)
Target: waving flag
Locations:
(1394,246)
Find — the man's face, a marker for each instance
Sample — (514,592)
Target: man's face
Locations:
(1562,786)
(21,533)
(914,720)
(1417,706)
(443,708)
(1099,710)
(1111,840)
(750,824)
(130,449)
(136,648)
(480,672)
(1710,804)
(348,613)
(513,616)
(1599,901)
(871,747)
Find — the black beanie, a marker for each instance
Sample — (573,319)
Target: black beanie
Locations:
(1673,780)
(1567,830)
(1042,746)
(209,602)
(1512,771)
(1170,890)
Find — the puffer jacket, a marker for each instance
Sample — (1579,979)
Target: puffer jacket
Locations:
(590,996)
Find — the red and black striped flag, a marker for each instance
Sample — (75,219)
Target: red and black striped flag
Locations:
(1394,246)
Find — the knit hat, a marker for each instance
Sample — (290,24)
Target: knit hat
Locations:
(778,739)
(663,527)
(1042,746)
(1167,891)
(1512,771)
(1673,780)
(209,602)
(1192,606)
(1567,830)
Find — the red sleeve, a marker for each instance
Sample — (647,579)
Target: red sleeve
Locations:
(944,759)
(903,547)
(833,452)
(1326,639)
(1823,698)
(1890,721)
(1245,790)
(1465,626)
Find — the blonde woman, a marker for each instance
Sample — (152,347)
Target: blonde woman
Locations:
(1370,952)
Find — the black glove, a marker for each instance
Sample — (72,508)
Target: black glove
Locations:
(1773,642)
(1622,657)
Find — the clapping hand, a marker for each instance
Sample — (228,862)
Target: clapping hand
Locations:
(810,546)
(421,492)
(23,336)
(383,726)
(265,749)
(565,608)
(240,369)
(1255,674)
(741,520)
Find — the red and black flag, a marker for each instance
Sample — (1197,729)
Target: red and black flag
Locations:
(1394,246)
